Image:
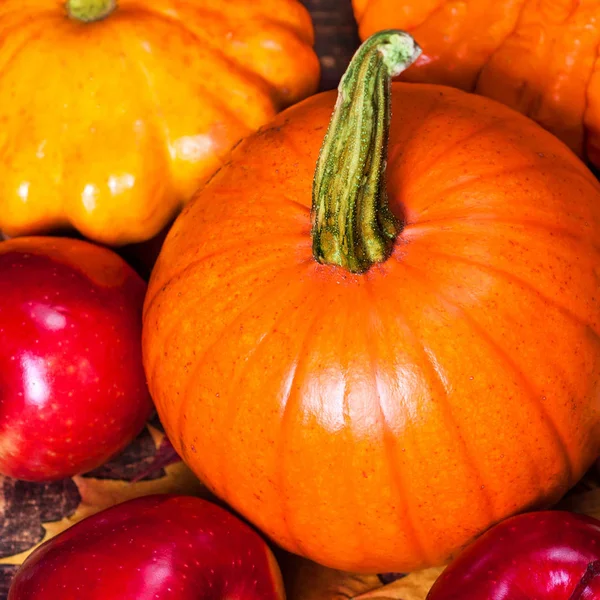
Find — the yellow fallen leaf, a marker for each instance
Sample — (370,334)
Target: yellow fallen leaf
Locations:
(305,580)
(98,494)
(415,586)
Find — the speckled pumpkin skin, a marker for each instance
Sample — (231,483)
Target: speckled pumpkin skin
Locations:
(378,422)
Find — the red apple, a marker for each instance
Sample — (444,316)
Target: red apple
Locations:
(153,548)
(72,387)
(550,555)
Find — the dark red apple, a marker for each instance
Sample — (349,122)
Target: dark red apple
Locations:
(550,555)
(72,387)
(153,548)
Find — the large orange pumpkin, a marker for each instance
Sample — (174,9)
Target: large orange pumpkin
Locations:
(371,388)
(537,56)
(110,119)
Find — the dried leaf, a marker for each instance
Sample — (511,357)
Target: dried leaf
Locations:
(305,580)
(136,460)
(414,586)
(96,494)
(165,455)
(585,496)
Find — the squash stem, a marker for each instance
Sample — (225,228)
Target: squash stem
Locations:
(89,11)
(353,226)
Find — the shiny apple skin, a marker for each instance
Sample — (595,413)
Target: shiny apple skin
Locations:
(158,547)
(549,555)
(72,386)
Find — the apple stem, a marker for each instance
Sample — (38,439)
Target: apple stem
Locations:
(592,571)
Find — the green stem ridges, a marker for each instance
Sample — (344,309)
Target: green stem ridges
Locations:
(88,11)
(353,226)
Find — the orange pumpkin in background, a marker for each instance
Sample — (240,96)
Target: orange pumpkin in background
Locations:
(375,382)
(112,113)
(539,57)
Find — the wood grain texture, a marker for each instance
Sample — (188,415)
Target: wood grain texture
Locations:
(336,37)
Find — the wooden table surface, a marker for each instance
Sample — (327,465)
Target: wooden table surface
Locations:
(336,37)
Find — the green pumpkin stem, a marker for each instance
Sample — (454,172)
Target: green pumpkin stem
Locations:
(88,11)
(353,226)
